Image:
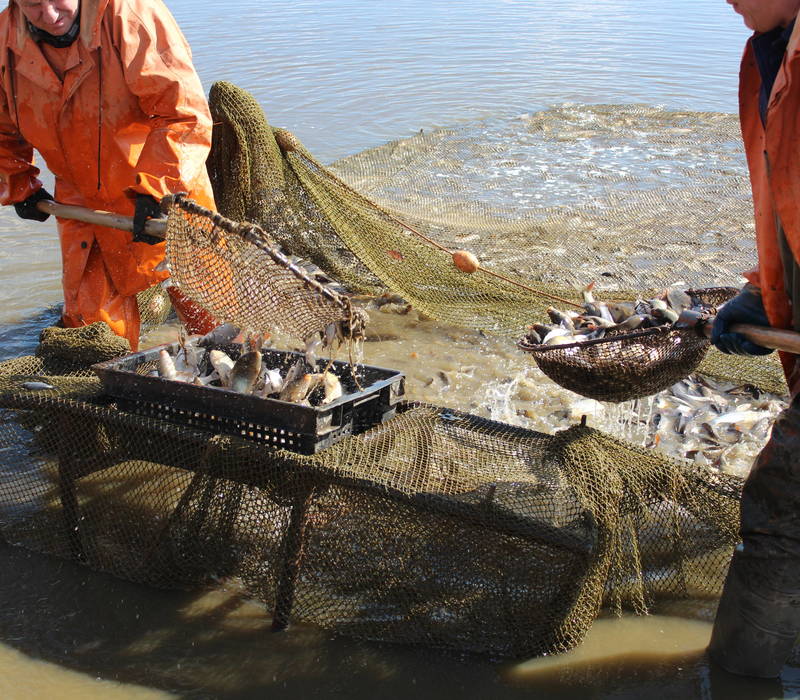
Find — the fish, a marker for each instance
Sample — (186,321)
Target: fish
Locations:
(741,420)
(388,298)
(331,333)
(298,389)
(605,313)
(332,387)
(557,335)
(533,336)
(221,335)
(37,386)
(166,365)
(665,314)
(273,382)
(245,371)
(221,362)
(630,323)
(313,345)
(678,299)
(560,318)
(620,310)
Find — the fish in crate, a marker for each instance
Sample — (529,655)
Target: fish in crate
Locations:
(286,399)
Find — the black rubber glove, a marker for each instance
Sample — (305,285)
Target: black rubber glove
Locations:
(26,209)
(147,207)
(745,307)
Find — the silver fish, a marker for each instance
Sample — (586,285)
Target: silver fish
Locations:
(245,372)
(221,362)
(36,386)
(273,383)
(166,365)
(221,335)
(313,345)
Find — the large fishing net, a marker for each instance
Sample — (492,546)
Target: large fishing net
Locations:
(636,199)
(436,528)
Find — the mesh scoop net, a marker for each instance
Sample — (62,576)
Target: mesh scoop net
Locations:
(236,272)
(625,366)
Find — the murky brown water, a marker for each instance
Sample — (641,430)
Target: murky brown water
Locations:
(71,627)
(68,632)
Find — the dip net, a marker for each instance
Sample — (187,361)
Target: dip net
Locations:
(436,528)
(631,198)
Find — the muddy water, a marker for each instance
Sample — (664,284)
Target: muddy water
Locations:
(76,634)
(346,75)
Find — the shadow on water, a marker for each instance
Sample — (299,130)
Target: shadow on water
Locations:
(216,644)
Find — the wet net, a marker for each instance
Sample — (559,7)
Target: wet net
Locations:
(630,198)
(436,528)
(235,271)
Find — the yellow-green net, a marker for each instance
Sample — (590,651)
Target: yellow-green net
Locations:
(388,217)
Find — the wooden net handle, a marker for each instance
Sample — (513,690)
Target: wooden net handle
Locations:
(766,337)
(152,227)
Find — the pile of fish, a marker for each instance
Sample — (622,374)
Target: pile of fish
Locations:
(713,422)
(598,318)
(201,362)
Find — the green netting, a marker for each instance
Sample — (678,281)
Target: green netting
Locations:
(674,208)
(436,528)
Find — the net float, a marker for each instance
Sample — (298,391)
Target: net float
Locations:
(465,261)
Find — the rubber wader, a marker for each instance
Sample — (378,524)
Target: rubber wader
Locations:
(758,618)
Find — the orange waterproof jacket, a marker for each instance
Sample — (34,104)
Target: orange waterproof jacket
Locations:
(773,158)
(129,116)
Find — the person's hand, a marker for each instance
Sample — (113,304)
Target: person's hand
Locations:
(147,207)
(26,209)
(745,307)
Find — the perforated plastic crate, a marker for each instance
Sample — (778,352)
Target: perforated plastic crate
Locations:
(280,424)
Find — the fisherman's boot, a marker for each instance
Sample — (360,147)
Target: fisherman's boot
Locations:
(758,617)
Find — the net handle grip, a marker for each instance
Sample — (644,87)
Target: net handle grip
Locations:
(774,338)
(152,227)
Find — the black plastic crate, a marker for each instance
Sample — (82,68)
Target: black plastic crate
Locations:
(280,424)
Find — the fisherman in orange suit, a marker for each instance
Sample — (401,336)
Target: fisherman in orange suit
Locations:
(106,92)
(758,619)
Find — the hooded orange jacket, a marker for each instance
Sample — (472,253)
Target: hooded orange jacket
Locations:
(773,158)
(129,116)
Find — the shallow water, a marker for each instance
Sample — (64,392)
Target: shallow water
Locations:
(73,626)
(346,75)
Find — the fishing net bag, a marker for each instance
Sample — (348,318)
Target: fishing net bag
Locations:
(623,366)
(437,528)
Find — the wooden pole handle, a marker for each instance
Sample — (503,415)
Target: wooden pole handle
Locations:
(766,337)
(153,227)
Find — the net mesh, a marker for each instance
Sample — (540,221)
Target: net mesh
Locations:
(627,191)
(235,271)
(437,528)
